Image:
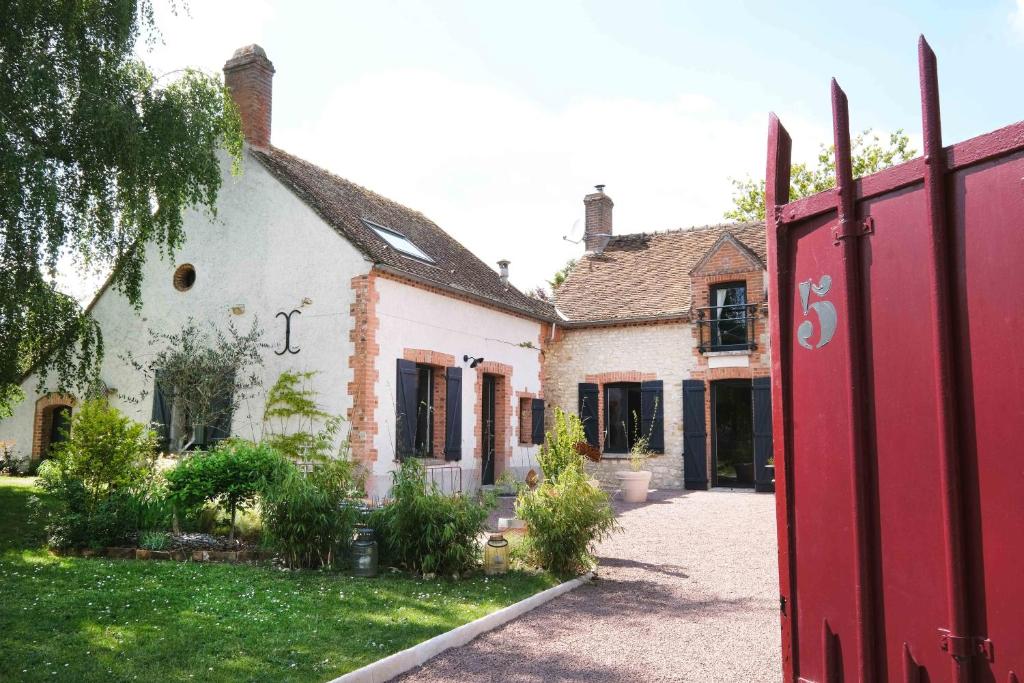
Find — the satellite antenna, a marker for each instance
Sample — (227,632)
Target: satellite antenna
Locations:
(575,235)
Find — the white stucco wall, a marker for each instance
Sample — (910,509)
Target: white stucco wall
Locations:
(665,350)
(267,251)
(414,318)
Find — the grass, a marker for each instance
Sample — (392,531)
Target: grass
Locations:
(96,619)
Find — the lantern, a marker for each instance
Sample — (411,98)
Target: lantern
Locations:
(364,553)
(496,555)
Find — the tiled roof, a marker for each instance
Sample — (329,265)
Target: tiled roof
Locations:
(344,205)
(645,275)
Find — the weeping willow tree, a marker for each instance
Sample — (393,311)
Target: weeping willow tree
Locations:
(98,159)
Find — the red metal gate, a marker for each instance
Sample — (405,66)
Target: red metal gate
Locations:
(898,394)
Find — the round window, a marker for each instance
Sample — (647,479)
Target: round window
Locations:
(184,277)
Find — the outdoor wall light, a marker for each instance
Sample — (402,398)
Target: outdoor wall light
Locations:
(473,362)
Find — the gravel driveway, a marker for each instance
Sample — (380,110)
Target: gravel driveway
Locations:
(689,592)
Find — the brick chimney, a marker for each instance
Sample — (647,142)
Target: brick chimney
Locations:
(249,75)
(598,223)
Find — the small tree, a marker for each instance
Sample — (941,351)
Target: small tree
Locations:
(205,375)
(869,155)
(561,450)
(231,476)
(295,424)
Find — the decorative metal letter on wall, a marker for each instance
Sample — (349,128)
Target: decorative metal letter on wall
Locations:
(287,332)
(825,311)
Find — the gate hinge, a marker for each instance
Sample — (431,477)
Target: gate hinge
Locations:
(858,229)
(964,647)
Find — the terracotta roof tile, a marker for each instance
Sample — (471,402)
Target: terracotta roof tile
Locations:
(344,204)
(645,275)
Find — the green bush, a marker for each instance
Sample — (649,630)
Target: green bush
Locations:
(566,514)
(424,530)
(153,540)
(99,479)
(230,476)
(309,519)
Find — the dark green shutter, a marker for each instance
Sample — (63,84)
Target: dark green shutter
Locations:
(695,470)
(405,408)
(763,477)
(537,421)
(588,412)
(652,414)
(220,419)
(453,414)
(161,419)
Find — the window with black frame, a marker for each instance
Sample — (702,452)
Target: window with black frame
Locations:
(729,315)
(424,444)
(622,416)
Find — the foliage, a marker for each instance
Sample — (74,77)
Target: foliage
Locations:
(9,462)
(560,451)
(639,453)
(105,450)
(566,516)
(561,274)
(231,476)
(295,424)
(206,375)
(98,159)
(310,519)
(869,155)
(153,540)
(424,530)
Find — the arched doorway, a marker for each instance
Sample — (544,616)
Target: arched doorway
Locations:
(52,423)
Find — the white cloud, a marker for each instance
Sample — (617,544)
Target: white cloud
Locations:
(1017,17)
(506,176)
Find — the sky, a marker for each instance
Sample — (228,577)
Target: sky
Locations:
(495,119)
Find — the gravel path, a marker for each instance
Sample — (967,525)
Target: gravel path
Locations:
(688,593)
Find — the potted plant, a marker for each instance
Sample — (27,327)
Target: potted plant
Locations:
(636,480)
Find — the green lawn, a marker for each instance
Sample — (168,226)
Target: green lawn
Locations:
(102,620)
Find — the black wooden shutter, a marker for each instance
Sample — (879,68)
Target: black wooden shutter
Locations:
(161,415)
(695,470)
(220,419)
(588,412)
(453,414)
(405,408)
(762,398)
(537,421)
(652,414)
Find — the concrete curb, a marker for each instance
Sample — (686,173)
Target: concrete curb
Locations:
(400,662)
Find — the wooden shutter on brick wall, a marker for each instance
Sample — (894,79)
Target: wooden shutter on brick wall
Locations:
(588,412)
(453,414)
(762,398)
(652,414)
(537,421)
(695,467)
(405,408)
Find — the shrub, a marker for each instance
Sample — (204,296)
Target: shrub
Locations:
(561,449)
(424,530)
(565,517)
(294,423)
(231,476)
(98,479)
(9,463)
(566,514)
(310,519)
(153,540)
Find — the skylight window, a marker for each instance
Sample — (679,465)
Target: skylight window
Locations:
(398,241)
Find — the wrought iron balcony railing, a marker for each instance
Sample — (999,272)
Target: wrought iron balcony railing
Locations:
(727,328)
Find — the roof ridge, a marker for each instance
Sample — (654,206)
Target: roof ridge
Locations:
(692,228)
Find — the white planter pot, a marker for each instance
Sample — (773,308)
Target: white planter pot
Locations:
(634,485)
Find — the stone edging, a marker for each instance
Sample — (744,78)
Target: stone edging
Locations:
(400,662)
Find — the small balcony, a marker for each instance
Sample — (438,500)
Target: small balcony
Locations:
(727,328)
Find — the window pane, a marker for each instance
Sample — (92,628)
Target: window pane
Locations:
(729,314)
(424,410)
(617,416)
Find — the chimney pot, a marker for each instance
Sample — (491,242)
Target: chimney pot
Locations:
(249,76)
(598,223)
(503,270)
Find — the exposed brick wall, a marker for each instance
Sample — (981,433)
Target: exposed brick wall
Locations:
(438,361)
(503,410)
(365,324)
(43,423)
(524,404)
(249,75)
(598,219)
